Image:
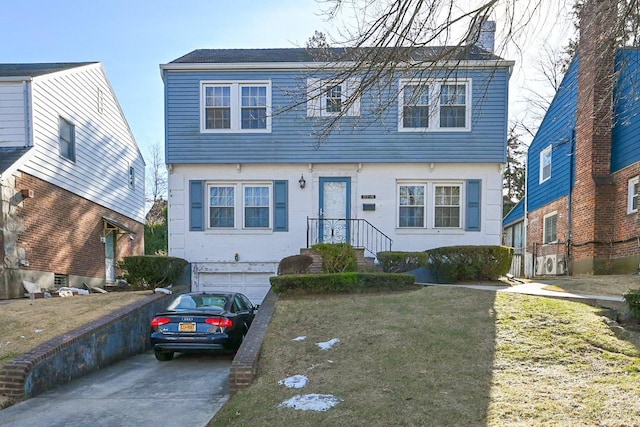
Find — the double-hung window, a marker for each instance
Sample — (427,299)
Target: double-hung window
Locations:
(331,98)
(256,206)
(545,164)
(430,204)
(447,206)
(550,228)
(434,105)
(67,139)
(411,207)
(632,195)
(248,204)
(222,206)
(236,107)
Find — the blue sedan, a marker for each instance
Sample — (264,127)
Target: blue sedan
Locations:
(201,322)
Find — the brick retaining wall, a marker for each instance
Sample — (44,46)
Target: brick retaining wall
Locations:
(245,363)
(93,346)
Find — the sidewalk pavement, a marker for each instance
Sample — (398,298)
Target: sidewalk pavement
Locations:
(533,288)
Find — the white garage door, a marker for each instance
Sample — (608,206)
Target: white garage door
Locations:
(254,285)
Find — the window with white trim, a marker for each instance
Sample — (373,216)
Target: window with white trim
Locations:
(434,105)
(550,228)
(330,98)
(545,164)
(632,195)
(447,206)
(256,206)
(411,206)
(236,107)
(67,140)
(248,204)
(439,202)
(222,206)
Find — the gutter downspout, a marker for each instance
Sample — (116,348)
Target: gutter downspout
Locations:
(570,198)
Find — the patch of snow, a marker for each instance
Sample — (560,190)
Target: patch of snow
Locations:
(311,402)
(23,337)
(296,381)
(327,344)
(300,338)
(37,331)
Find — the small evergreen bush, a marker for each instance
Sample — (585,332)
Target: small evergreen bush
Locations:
(337,257)
(632,297)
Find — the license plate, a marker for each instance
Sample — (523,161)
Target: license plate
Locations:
(187,327)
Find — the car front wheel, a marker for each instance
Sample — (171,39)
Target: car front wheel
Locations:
(163,356)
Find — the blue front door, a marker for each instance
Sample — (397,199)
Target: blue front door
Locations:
(335,206)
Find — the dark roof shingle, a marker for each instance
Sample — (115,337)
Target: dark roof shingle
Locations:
(37,69)
(230,56)
(10,155)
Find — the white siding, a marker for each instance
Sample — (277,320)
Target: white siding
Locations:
(105,147)
(213,251)
(13,109)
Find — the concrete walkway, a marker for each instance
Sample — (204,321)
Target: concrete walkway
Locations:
(534,288)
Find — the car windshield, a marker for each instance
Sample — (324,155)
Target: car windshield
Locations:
(199,302)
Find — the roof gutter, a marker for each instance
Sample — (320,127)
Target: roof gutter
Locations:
(16,79)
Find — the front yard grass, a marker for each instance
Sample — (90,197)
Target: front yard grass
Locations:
(443,356)
(25,323)
(610,285)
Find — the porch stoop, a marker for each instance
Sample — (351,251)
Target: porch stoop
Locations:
(364,263)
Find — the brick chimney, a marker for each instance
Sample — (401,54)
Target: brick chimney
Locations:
(594,191)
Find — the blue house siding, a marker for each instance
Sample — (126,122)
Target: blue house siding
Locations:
(625,149)
(515,214)
(367,138)
(557,129)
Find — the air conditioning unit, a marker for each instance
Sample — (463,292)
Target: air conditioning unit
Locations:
(539,267)
(554,264)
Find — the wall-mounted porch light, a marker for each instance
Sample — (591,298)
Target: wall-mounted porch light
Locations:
(302,182)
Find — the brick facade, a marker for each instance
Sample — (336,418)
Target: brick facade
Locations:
(601,233)
(60,232)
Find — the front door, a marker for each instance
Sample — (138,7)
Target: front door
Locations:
(334,210)
(110,256)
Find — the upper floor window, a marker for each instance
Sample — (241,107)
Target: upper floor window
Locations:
(545,164)
(236,107)
(252,208)
(550,228)
(327,98)
(632,195)
(426,105)
(132,177)
(67,140)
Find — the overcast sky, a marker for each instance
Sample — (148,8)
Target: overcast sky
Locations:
(132,37)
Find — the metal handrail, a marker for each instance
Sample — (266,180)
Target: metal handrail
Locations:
(359,233)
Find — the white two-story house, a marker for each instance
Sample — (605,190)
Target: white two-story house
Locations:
(71,178)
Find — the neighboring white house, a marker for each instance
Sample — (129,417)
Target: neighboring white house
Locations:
(249,184)
(71,177)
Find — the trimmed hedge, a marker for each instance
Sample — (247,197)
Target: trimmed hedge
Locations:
(632,297)
(337,257)
(151,271)
(452,264)
(351,282)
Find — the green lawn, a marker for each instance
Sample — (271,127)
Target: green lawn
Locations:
(443,356)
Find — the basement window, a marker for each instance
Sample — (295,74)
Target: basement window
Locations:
(60,280)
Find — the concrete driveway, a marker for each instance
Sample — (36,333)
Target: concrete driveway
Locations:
(139,391)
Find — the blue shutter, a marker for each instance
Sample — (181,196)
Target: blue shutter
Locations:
(196,206)
(474,192)
(280,213)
